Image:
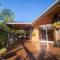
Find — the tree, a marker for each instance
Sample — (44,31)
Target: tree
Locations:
(7,15)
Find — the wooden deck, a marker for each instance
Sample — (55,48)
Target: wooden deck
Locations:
(34,51)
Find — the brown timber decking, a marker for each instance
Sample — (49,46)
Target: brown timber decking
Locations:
(33,51)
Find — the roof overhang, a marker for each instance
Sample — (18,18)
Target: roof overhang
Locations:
(47,16)
(49,13)
(17,26)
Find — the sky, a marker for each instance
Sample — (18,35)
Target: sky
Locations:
(26,10)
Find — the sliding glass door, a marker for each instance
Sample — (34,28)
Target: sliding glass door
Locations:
(50,35)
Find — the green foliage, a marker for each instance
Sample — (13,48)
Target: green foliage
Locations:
(4,26)
(2,38)
(6,16)
(56,24)
(20,32)
(3,51)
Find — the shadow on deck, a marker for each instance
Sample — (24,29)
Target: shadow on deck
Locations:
(42,55)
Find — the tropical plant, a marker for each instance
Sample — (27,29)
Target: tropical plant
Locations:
(6,15)
(2,38)
(20,31)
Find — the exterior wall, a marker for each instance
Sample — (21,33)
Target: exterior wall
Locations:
(35,38)
(57,35)
(35,34)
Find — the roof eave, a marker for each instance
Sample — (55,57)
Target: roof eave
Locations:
(57,2)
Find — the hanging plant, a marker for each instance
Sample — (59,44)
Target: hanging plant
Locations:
(56,24)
